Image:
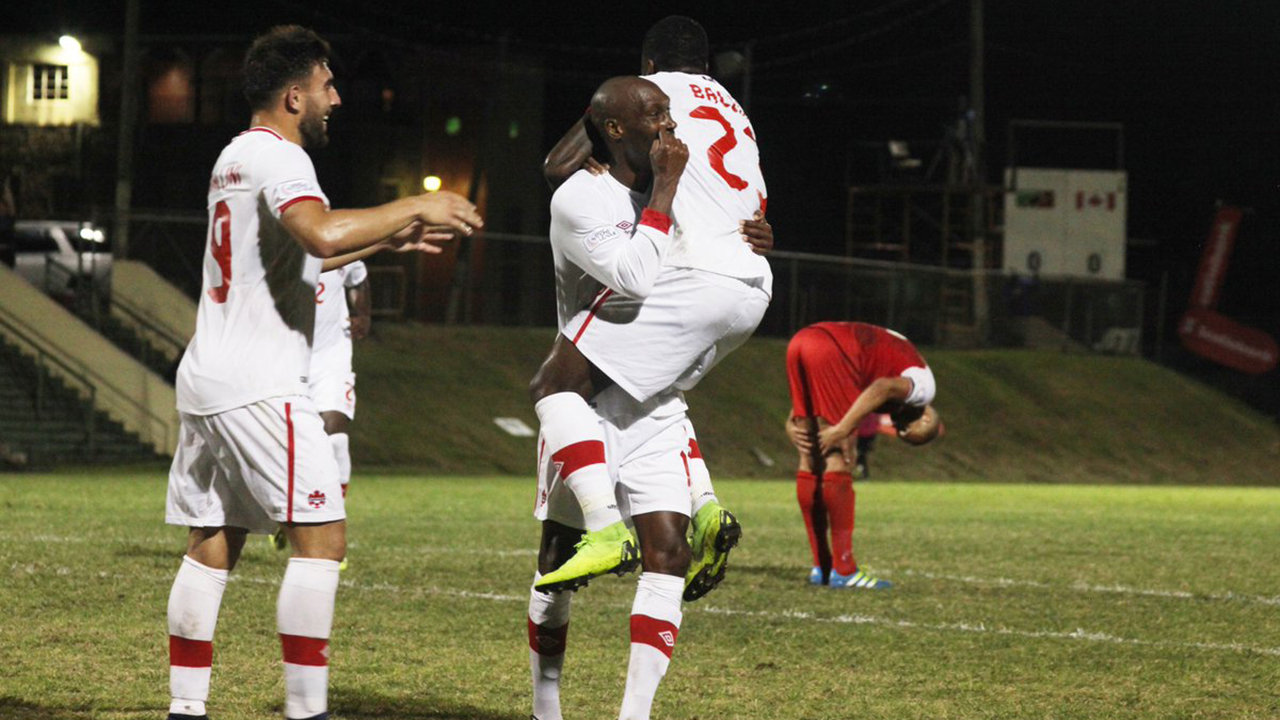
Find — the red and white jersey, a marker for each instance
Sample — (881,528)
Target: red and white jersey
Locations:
(257,302)
(874,352)
(602,239)
(333,317)
(722,183)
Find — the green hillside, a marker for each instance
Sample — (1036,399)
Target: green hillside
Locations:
(428,396)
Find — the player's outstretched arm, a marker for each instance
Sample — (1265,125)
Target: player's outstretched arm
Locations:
(327,233)
(878,393)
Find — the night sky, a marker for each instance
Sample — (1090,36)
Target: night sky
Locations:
(1194,84)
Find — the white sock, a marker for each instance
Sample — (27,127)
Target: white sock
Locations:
(304,616)
(700,490)
(575,439)
(193,615)
(655,624)
(548,630)
(341,443)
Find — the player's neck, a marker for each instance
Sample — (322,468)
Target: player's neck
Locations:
(636,181)
(282,126)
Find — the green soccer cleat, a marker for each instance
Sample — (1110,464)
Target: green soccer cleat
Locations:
(607,550)
(278,540)
(715,532)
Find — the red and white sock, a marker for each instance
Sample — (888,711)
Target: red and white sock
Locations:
(575,440)
(809,495)
(655,625)
(838,495)
(700,489)
(193,615)
(304,616)
(548,631)
(341,443)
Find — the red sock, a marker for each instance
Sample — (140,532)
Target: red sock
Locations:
(814,512)
(837,493)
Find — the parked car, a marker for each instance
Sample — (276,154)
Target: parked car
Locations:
(63,257)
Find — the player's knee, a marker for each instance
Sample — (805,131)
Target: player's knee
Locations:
(670,557)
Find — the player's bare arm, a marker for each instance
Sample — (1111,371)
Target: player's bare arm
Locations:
(883,390)
(360,298)
(328,234)
(668,157)
(573,152)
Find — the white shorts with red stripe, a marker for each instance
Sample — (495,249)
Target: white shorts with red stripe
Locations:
(671,339)
(254,467)
(331,382)
(647,448)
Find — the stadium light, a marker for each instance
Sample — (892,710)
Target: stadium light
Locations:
(69,43)
(431,183)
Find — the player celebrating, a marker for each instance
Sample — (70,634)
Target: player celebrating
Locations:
(251,449)
(649,339)
(840,373)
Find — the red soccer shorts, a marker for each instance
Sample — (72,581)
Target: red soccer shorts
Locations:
(821,376)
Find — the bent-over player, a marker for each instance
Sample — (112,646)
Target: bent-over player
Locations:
(252,451)
(839,373)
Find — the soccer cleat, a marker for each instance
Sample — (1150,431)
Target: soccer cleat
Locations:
(342,565)
(858,580)
(278,539)
(608,550)
(815,576)
(715,532)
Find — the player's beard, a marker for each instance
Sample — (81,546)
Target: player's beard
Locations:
(313,130)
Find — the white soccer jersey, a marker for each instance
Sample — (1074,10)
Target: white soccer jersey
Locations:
(722,183)
(333,317)
(602,238)
(257,303)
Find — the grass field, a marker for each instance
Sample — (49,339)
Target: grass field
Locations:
(1012,601)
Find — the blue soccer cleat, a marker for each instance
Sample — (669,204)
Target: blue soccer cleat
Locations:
(815,576)
(858,581)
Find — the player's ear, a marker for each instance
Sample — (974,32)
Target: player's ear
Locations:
(613,128)
(293,99)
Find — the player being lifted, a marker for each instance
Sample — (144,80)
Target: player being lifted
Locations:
(679,337)
(252,451)
(840,373)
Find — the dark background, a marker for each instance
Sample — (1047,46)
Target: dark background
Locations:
(1193,83)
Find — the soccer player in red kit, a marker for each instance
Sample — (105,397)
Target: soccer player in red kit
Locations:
(839,374)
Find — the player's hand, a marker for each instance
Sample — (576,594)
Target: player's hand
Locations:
(594,166)
(758,233)
(449,210)
(798,433)
(359,326)
(832,438)
(419,237)
(668,156)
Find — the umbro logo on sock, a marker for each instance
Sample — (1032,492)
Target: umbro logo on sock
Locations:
(668,638)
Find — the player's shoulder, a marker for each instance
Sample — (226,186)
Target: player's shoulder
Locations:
(669,81)
(581,187)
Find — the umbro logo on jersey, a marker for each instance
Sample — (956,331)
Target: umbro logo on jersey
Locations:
(316,499)
(624,225)
(668,638)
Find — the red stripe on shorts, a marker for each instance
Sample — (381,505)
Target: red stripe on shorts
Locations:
(185,652)
(655,633)
(547,641)
(288,421)
(694,451)
(688,478)
(599,301)
(578,455)
(299,650)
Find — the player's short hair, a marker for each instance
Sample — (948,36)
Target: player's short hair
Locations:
(676,42)
(285,54)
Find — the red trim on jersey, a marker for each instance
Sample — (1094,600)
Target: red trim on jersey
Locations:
(262,129)
(184,652)
(656,220)
(288,421)
(578,455)
(547,641)
(290,203)
(604,295)
(299,650)
(655,633)
(694,451)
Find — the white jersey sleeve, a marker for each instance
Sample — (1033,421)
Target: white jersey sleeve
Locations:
(356,274)
(593,226)
(722,183)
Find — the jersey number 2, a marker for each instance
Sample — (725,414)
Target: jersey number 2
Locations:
(220,246)
(721,147)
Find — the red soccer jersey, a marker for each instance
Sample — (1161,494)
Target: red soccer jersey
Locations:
(830,363)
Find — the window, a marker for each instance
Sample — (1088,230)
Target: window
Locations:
(50,82)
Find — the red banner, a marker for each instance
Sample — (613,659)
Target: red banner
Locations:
(1217,253)
(1225,341)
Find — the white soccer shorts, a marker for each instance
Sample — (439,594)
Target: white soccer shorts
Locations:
(648,459)
(254,467)
(331,383)
(692,320)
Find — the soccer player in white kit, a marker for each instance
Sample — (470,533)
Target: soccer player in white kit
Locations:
(333,382)
(710,297)
(252,452)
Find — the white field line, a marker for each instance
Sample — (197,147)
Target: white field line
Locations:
(782,615)
(1083,587)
